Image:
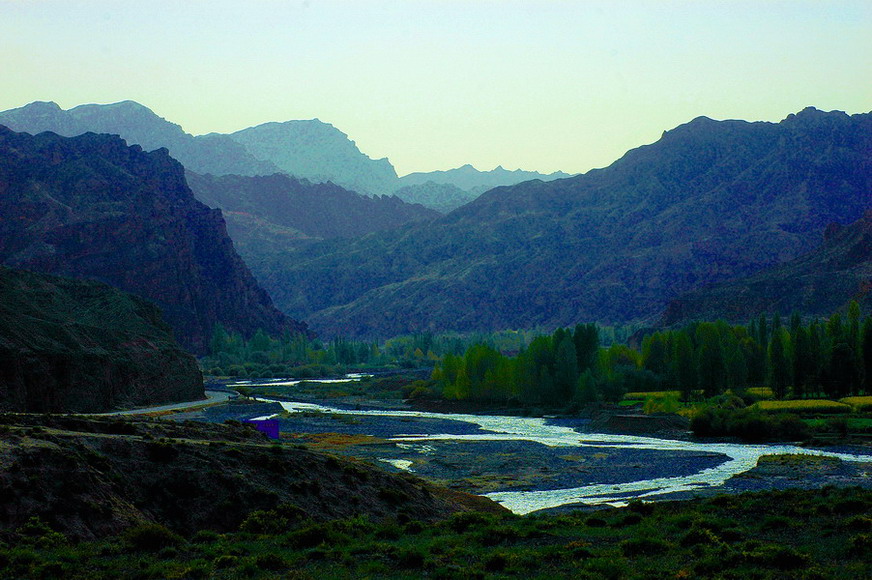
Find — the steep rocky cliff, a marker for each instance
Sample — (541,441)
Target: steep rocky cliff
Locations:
(82,346)
(92,207)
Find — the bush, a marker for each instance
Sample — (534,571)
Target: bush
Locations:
(859,404)
(748,424)
(226,561)
(460,522)
(781,557)
(150,538)
(271,562)
(411,559)
(36,532)
(644,546)
(264,522)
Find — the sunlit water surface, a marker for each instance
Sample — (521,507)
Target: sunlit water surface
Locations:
(739,457)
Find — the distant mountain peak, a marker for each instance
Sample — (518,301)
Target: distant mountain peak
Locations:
(42,105)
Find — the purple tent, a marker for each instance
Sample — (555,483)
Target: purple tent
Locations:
(268,426)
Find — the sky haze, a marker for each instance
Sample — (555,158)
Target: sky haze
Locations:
(433,84)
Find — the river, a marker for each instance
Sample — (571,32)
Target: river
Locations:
(703,465)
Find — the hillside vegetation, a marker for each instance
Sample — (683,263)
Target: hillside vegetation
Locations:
(817,283)
(95,477)
(82,346)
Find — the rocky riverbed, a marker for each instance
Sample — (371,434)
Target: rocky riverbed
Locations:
(531,464)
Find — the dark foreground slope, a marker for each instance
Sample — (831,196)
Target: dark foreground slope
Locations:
(90,478)
(81,346)
(710,201)
(816,284)
(92,207)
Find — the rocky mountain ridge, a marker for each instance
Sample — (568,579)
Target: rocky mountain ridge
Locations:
(709,201)
(306,149)
(93,207)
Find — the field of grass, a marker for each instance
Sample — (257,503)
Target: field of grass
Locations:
(803,406)
(859,404)
(761,392)
(790,534)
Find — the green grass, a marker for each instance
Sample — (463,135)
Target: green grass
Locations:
(803,406)
(859,404)
(784,534)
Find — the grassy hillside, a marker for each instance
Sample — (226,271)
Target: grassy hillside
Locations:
(74,345)
(90,478)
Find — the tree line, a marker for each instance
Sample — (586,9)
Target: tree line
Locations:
(796,359)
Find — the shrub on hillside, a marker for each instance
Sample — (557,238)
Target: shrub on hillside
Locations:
(748,424)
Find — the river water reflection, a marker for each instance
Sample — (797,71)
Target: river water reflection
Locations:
(732,460)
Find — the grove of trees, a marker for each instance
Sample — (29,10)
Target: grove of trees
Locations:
(831,358)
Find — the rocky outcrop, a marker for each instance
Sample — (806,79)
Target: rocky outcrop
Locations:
(92,207)
(319,152)
(82,346)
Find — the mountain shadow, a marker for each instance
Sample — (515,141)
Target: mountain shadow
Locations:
(818,283)
(82,346)
(92,207)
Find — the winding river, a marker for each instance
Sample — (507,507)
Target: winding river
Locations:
(736,458)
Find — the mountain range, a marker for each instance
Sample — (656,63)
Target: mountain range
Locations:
(93,207)
(139,125)
(448,190)
(709,201)
(307,149)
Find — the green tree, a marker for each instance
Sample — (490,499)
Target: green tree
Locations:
(779,365)
(220,339)
(655,353)
(866,350)
(682,364)
(803,361)
(710,360)
(587,344)
(841,375)
(566,369)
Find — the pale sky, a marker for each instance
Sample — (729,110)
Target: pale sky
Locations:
(540,85)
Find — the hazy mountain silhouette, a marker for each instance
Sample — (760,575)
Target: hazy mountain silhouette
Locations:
(136,124)
(319,152)
(448,190)
(92,207)
(711,200)
(269,214)
(311,149)
(473,180)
